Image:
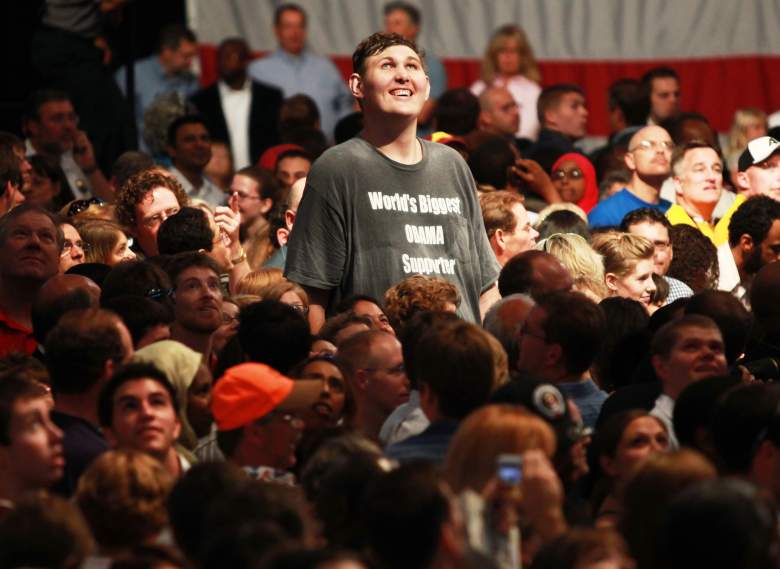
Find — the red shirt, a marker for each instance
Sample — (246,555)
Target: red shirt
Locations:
(15,337)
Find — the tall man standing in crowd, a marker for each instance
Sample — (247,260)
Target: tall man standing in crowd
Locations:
(386,204)
(295,69)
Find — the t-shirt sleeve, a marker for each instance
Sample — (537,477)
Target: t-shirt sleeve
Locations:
(317,249)
(488,264)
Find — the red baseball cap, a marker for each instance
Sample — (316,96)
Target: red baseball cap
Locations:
(250,391)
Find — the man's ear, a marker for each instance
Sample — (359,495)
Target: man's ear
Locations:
(553,355)
(611,279)
(356,86)
(677,185)
(361,379)
(498,236)
(628,158)
(742,181)
(659,366)
(746,245)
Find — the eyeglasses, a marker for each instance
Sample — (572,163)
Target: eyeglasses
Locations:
(159,293)
(228,319)
(288,418)
(158,218)
(652,145)
(78,206)
(300,309)
(395,370)
(68,245)
(246,196)
(574,174)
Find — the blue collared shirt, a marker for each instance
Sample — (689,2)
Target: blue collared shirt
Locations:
(310,74)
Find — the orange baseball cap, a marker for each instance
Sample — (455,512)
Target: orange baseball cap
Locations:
(250,391)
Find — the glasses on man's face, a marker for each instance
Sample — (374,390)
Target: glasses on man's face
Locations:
(300,309)
(68,246)
(245,196)
(574,174)
(652,145)
(395,370)
(78,206)
(155,220)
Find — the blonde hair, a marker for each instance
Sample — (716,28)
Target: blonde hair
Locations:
(122,496)
(255,281)
(585,265)
(622,251)
(102,237)
(484,435)
(737,139)
(743,118)
(528,65)
(277,290)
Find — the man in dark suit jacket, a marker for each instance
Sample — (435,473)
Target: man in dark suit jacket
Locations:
(237,110)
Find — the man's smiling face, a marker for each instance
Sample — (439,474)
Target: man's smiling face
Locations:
(393,82)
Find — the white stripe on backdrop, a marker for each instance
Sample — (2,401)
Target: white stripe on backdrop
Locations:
(557,29)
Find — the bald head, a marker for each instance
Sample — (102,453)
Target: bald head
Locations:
(649,155)
(60,294)
(504,319)
(535,273)
(293,201)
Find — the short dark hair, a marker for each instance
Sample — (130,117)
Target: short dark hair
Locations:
(298,111)
(563,221)
(644,215)
(173,128)
(679,152)
(180,262)
(462,373)
(172,35)
(187,230)
(292,153)
(288,7)
(632,100)
(128,164)
(39,98)
(135,278)
(405,506)
(26,208)
(139,314)
(457,111)
(13,387)
(193,495)
(275,334)
(125,374)
(47,312)
(267,185)
(414,329)
(755,218)
(377,43)
(577,324)
(409,9)
(79,346)
(490,161)
(669,334)
(695,406)
(550,98)
(741,417)
(658,73)
(732,318)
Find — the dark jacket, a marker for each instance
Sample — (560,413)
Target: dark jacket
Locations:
(263,116)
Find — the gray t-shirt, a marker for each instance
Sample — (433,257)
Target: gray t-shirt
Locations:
(367,222)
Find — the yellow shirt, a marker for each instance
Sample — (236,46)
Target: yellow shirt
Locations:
(718,233)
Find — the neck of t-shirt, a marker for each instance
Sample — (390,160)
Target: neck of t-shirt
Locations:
(399,144)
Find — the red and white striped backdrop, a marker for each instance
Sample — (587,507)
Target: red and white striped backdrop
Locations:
(727,52)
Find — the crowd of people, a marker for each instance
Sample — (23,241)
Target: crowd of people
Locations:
(450,340)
